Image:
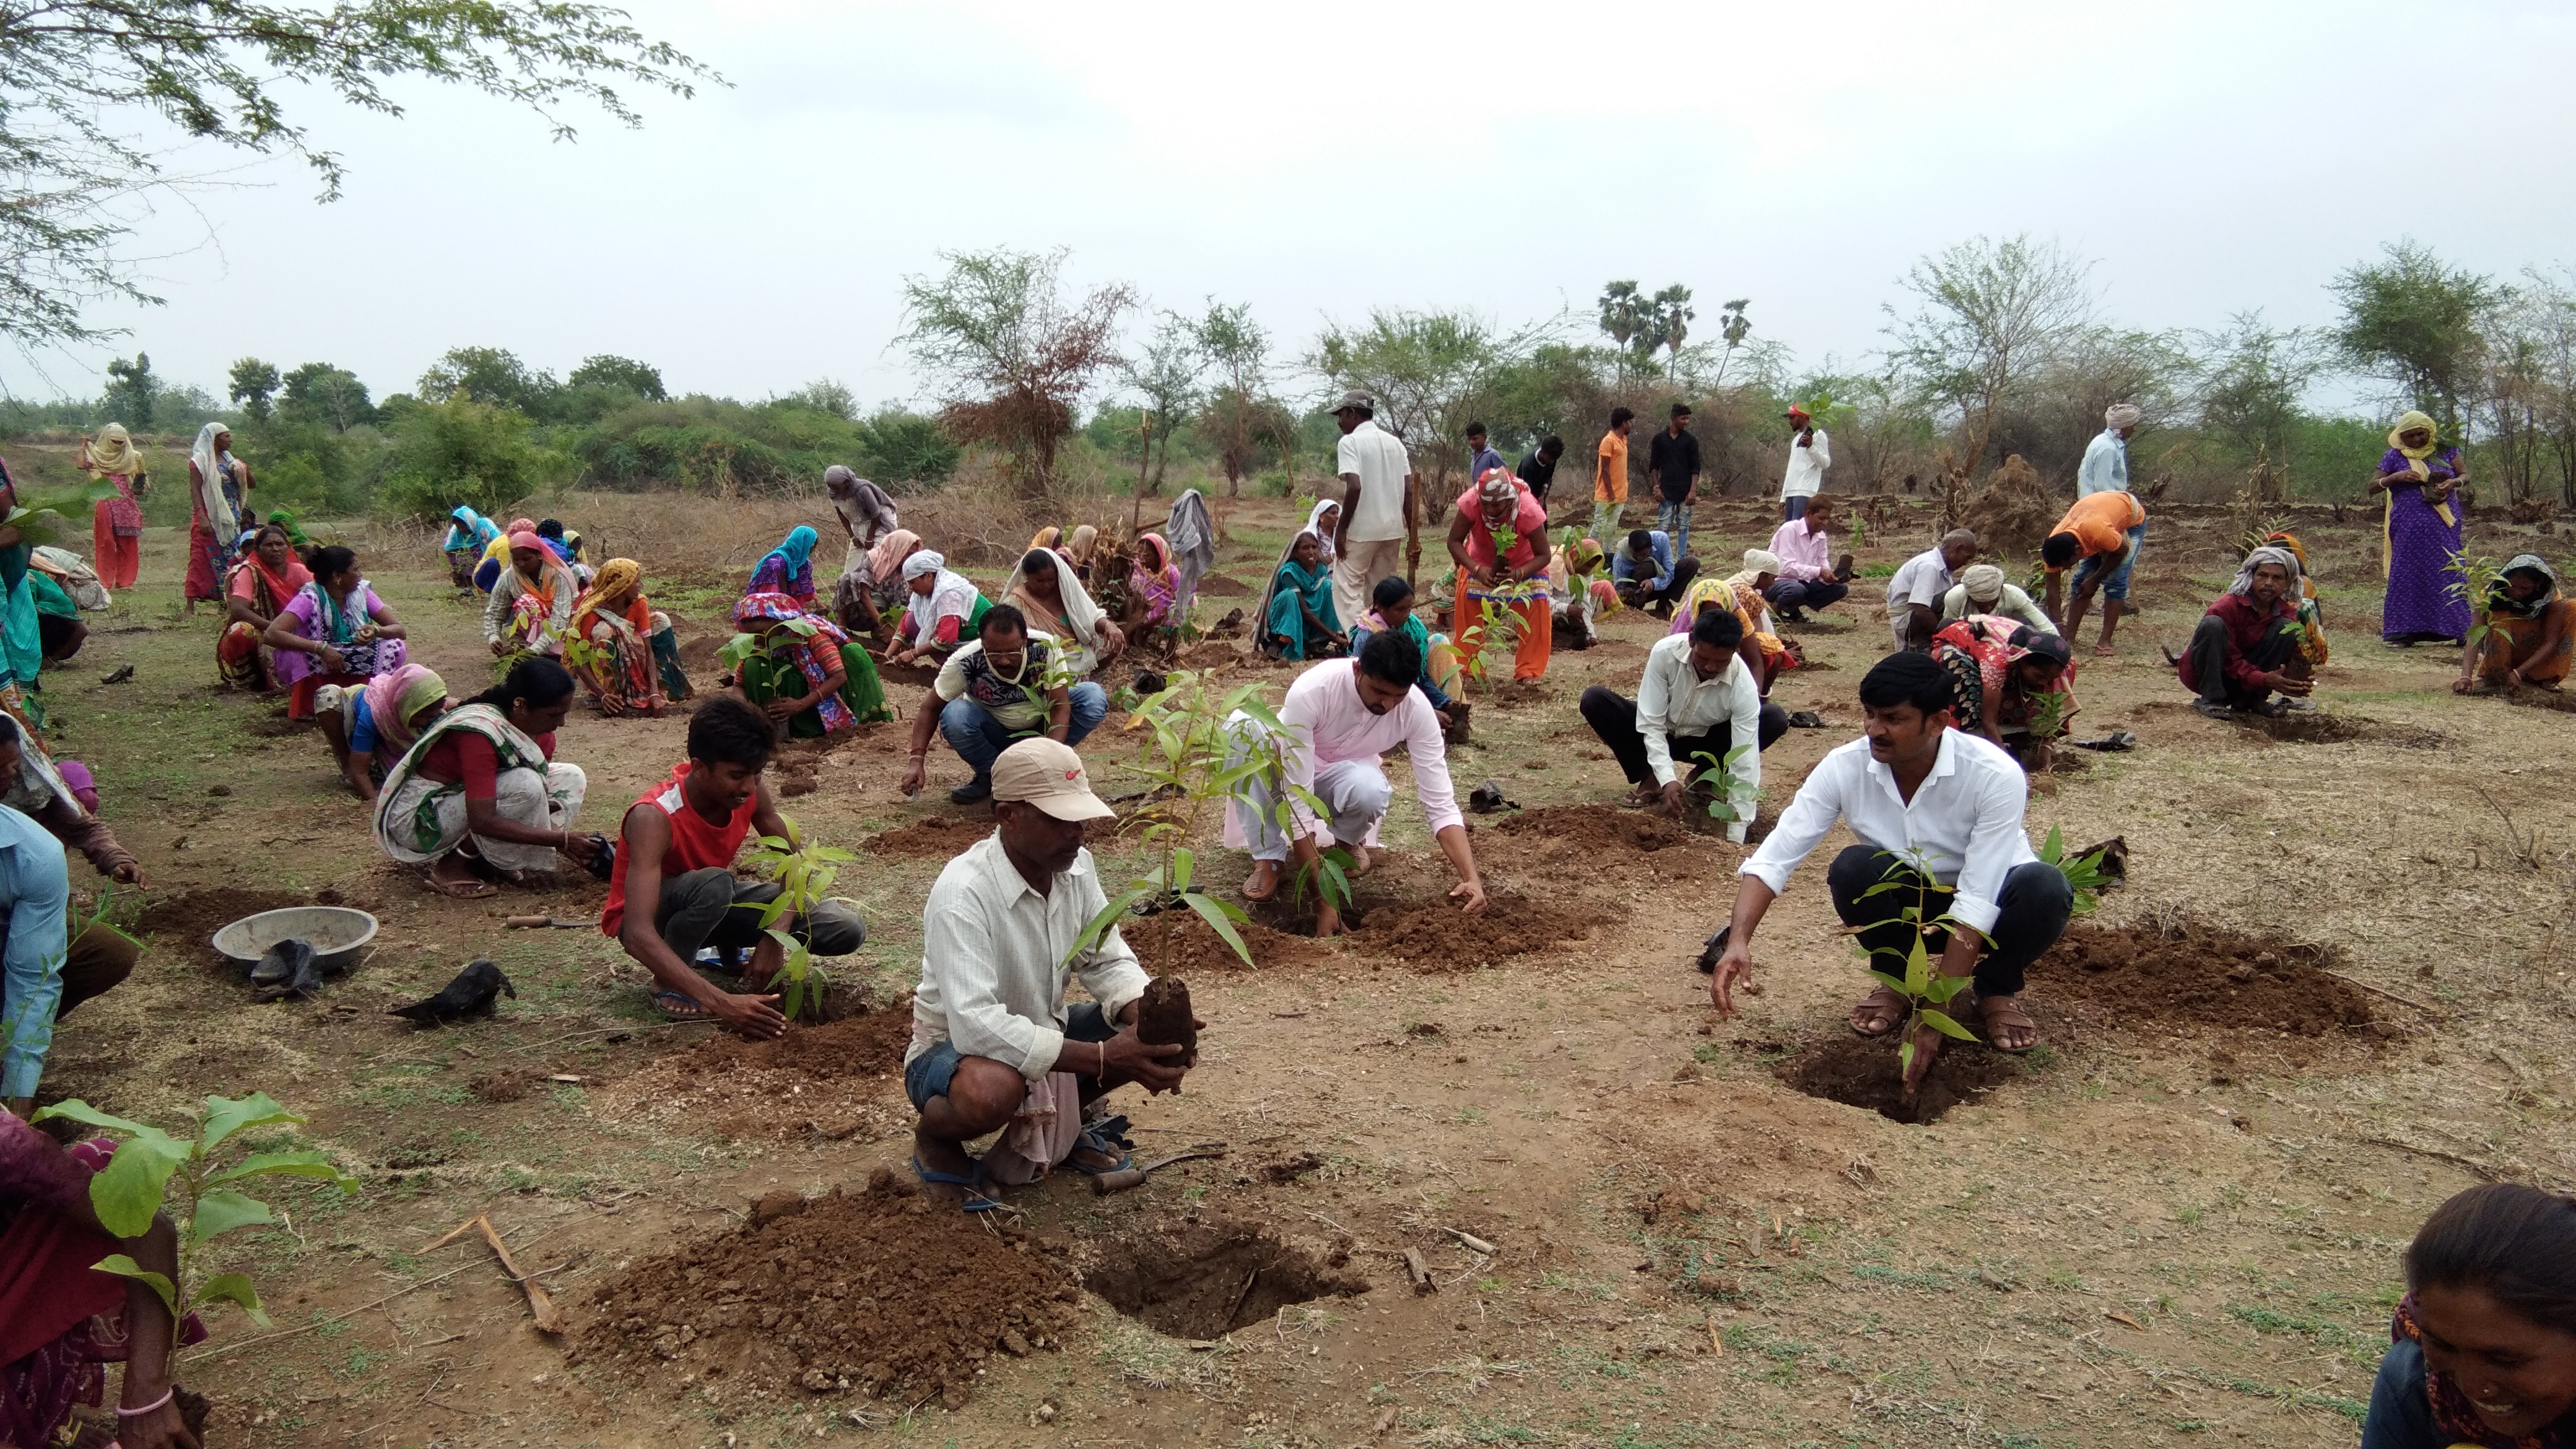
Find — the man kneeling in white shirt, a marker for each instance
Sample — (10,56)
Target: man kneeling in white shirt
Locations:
(1695,698)
(1926,801)
(993,1043)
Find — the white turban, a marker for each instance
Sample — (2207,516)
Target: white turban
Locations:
(1984,582)
(1761,561)
(2121,415)
(924,562)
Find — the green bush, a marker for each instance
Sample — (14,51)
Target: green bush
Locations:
(463,451)
(901,447)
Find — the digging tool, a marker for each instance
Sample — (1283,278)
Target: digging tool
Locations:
(539,923)
(1126,1177)
(541,1304)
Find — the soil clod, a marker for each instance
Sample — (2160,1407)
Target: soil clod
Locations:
(1436,936)
(1163,1018)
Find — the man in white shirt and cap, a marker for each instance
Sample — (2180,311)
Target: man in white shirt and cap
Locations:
(1938,813)
(1377,504)
(1810,454)
(994,1044)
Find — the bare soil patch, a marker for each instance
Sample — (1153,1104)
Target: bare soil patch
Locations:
(1219,586)
(2311,727)
(191,920)
(1864,1072)
(830,1080)
(938,836)
(1435,935)
(2205,979)
(2541,698)
(1204,1280)
(881,1293)
(1591,828)
(1178,943)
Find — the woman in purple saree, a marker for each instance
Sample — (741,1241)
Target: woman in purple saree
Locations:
(2421,478)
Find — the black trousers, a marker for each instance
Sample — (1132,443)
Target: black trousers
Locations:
(1636,595)
(1791,595)
(2036,904)
(1613,717)
(2207,659)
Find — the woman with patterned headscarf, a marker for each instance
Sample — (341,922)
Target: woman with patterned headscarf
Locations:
(620,649)
(530,609)
(216,482)
(789,568)
(116,524)
(2016,684)
(804,672)
(1153,585)
(2420,529)
(2530,632)
(1498,539)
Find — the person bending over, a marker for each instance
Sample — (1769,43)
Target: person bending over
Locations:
(995,1044)
(1914,592)
(1697,697)
(1982,589)
(1938,814)
(2530,632)
(673,890)
(2099,538)
(2247,646)
(1004,687)
(2483,1345)
(1339,717)
(481,790)
(1643,570)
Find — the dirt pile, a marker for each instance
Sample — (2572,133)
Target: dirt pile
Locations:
(1204,1280)
(2310,727)
(1218,586)
(1864,1072)
(1589,829)
(190,921)
(2204,978)
(2012,513)
(939,836)
(833,1080)
(1435,936)
(883,1293)
(1178,943)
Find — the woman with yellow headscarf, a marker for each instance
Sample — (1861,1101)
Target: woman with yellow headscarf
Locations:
(116,524)
(2427,599)
(617,642)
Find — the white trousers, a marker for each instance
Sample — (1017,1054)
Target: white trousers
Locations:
(1356,572)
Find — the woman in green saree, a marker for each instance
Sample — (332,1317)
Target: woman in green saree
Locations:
(805,672)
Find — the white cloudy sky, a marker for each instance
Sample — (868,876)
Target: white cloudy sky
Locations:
(1319,160)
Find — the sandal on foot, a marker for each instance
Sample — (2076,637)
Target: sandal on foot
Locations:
(1104,1138)
(681,1006)
(977,1200)
(1884,1001)
(462,890)
(2005,1011)
(1253,890)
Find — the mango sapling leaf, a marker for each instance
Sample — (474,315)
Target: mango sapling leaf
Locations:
(232,1288)
(125,1267)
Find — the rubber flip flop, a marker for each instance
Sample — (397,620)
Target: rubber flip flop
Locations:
(1102,1137)
(680,1006)
(977,1201)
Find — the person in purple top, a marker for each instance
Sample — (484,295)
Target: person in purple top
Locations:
(2421,478)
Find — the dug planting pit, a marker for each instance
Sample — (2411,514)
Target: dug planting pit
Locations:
(1201,1281)
(1180,943)
(1864,1072)
(882,1294)
(834,1079)
(1434,935)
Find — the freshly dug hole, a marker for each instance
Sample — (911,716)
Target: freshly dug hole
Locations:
(874,1293)
(1204,1280)
(1864,1072)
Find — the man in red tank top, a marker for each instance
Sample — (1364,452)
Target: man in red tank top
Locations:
(673,890)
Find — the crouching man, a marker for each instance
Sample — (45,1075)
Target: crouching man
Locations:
(673,892)
(1938,813)
(994,1044)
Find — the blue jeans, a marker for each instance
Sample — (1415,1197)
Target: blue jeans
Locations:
(2116,586)
(1794,508)
(928,1075)
(1675,519)
(979,737)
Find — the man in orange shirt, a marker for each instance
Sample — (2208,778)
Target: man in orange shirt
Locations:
(1610,478)
(2105,531)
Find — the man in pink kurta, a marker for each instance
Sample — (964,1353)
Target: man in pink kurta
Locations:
(1340,717)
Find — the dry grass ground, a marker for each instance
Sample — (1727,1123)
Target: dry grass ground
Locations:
(2157,1231)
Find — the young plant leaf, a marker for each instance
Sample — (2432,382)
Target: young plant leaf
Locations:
(1213,912)
(128,1191)
(1941,1022)
(125,1267)
(220,1211)
(224,1117)
(305,1163)
(232,1288)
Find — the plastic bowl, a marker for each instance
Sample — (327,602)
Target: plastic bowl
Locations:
(336,933)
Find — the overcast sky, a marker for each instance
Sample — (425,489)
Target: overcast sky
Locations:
(1316,162)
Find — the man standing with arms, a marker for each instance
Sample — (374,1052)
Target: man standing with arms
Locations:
(1610,478)
(1810,454)
(1538,466)
(1938,813)
(1673,459)
(1377,502)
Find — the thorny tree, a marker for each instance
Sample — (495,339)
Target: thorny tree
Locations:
(1239,410)
(219,71)
(1012,356)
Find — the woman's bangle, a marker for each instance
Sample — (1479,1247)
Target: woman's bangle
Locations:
(151,1408)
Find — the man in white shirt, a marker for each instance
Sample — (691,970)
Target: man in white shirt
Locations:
(1914,594)
(2106,459)
(1939,812)
(1696,697)
(991,1030)
(1338,718)
(1810,454)
(1377,476)
(1982,589)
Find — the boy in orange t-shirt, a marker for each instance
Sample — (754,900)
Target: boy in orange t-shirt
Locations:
(2105,531)
(1610,478)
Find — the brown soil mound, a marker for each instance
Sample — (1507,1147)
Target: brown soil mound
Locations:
(1219,586)
(885,1293)
(1179,943)
(1204,1280)
(1589,828)
(2012,513)
(191,920)
(2310,727)
(1435,936)
(834,1080)
(2541,698)
(2204,978)
(1864,1072)
(869,1045)
(939,836)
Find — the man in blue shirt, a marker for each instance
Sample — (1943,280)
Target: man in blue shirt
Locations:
(35,892)
(2105,467)
(1480,454)
(1645,573)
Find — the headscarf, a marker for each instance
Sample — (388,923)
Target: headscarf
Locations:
(528,538)
(797,550)
(1085,539)
(2028,640)
(949,594)
(1759,561)
(1585,556)
(1081,652)
(1288,556)
(1046,537)
(614,577)
(924,561)
(887,557)
(1984,583)
(1193,538)
(2121,415)
(1152,578)
(2267,554)
(852,494)
(210,481)
(114,452)
(2408,422)
(469,530)
(2500,600)
(1315,526)
(816,644)
(285,519)
(395,696)
(1496,487)
(1283,610)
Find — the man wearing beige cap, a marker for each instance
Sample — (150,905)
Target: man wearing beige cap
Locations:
(994,1044)
(1377,500)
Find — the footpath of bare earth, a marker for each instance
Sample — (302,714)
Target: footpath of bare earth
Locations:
(2177,1221)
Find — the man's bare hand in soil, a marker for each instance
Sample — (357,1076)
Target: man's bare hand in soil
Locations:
(1735,965)
(1675,793)
(2283,681)
(754,1018)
